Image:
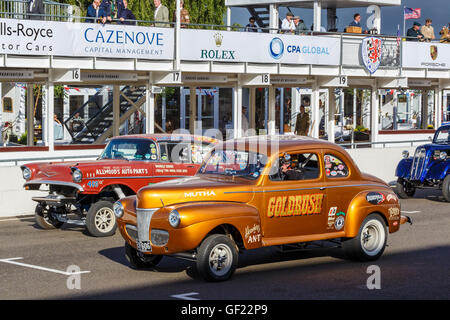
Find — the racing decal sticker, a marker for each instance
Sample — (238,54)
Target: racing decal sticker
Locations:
(287,206)
(375,197)
(394,213)
(335,220)
(199,194)
(253,234)
(168,169)
(392,196)
(120,171)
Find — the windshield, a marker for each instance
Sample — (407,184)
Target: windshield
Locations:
(234,163)
(131,149)
(442,136)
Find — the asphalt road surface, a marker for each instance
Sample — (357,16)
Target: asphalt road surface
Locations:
(36,264)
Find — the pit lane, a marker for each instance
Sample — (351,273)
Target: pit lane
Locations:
(415,265)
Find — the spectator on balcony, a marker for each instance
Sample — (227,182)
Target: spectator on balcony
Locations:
(125,15)
(95,12)
(35,9)
(77,123)
(184,15)
(445,34)
(119,7)
(287,25)
(106,5)
(414,33)
(356,21)
(302,122)
(300,26)
(251,26)
(428,31)
(161,14)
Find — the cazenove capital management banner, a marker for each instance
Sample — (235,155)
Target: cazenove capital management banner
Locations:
(227,46)
(29,37)
(430,55)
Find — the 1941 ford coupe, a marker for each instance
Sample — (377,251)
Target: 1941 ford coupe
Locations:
(83,192)
(257,192)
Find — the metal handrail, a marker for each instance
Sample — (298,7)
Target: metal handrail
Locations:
(384,143)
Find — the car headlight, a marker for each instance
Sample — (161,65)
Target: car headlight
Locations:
(443,155)
(77,176)
(118,209)
(26,173)
(174,218)
(405,154)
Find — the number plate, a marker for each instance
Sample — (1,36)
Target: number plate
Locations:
(143,246)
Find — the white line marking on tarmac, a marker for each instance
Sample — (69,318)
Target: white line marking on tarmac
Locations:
(411,211)
(14,219)
(185,296)
(12,261)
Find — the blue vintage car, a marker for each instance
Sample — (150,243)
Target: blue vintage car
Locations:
(429,167)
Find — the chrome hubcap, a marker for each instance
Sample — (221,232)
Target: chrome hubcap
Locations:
(373,237)
(220,259)
(104,220)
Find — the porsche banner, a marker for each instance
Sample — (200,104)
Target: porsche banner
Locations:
(31,37)
(431,55)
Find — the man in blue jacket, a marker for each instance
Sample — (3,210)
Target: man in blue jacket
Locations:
(95,12)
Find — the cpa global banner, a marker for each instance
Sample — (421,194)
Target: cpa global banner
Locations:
(24,37)
(430,55)
(226,46)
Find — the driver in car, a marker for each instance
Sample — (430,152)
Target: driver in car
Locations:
(290,168)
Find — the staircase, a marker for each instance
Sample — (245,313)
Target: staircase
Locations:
(261,15)
(101,121)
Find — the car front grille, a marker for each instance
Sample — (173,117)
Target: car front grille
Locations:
(418,164)
(144,217)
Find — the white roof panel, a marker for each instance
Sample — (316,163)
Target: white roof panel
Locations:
(310,3)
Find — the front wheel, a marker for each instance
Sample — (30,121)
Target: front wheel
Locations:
(404,189)
(370,242)
(446,188)
(139,260)
(217,258)
(45,220)
(100,219)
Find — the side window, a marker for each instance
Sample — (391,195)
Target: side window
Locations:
(335,167)
(296,166)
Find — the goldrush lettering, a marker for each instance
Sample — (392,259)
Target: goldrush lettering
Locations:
(300,205)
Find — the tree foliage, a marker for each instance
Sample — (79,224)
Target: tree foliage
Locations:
(200,11)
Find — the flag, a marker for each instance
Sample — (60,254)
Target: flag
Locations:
(410,13)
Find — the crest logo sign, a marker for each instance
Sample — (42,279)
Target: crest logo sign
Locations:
(371,53)
(434,52)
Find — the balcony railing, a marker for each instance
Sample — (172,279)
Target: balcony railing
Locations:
(54,11)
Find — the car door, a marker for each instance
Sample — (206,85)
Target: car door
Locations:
(295,204)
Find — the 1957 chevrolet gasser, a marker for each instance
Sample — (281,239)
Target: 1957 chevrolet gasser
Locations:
(88,189)
(258,192)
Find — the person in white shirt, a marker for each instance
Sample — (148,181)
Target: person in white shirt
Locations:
(288,25)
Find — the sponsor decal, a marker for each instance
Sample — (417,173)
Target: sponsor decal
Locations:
(300,205)
(371,53)
(121,171)
(375,197)
(434,52)
(199,194)
(335,220)
(391,196)
(253,234)
(394,213)
(276,48)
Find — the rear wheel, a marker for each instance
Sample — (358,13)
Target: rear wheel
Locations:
(217,258)
(45,220)
(139,260)
(446,188)
(100,219)
(370,242)
(404,189)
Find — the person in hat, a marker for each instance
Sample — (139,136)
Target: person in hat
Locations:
(414,33)
(300,26)
(288,26)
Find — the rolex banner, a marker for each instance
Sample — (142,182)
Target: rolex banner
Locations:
(431,55)
(31,37)
(227,46)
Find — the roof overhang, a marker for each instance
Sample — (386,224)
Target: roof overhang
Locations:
(310,3)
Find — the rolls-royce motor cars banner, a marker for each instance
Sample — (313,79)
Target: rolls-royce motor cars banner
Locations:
(26,37)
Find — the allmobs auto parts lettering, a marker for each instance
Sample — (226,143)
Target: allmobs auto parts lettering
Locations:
(286,206)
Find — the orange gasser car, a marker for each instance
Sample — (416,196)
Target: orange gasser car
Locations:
(257,192)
